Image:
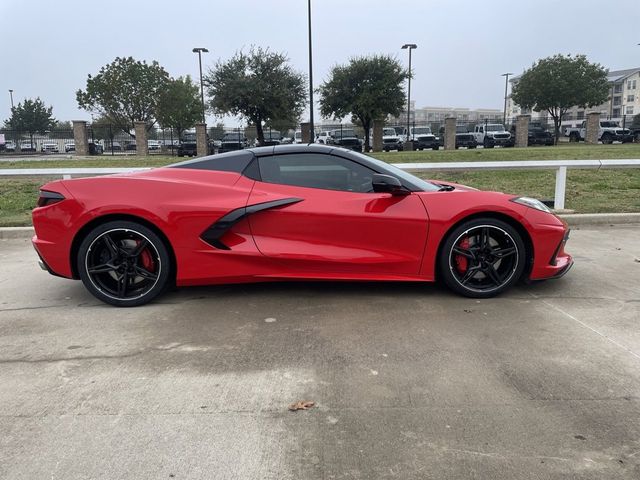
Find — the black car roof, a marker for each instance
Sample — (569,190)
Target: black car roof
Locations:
(239,160)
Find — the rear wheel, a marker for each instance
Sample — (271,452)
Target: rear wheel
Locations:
(606,139)
(123,263)
(482,258)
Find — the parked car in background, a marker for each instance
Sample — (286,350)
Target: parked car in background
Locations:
(346,138)
(609,132)
(49,146)
(188,146)
(70,146)
(493,134)
(391,140)
(297,136)
(27,146)
(271,138)
(112,146)
(233,141)
(324,137)
(131,147)
(154,145)
(10,146)
(467,140)
(422,138)
(94,148)
(538,135)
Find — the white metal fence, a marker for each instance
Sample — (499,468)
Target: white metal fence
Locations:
(560,166)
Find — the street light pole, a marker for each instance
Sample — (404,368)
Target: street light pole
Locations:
(409,46)
(311,124)
(200,51)
(506,83)
(11,95)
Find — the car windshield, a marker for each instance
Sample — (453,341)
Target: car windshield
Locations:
(388,131)
(423,185)
(495,128)
(421,131)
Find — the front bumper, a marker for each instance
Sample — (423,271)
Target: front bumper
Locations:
(549,264)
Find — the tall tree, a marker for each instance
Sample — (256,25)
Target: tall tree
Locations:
(31,116)
(124,91)
(259,86)
(367,88)
(557,83)
(179,105)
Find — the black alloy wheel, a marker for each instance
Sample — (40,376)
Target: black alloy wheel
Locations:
(123,263)
(481,258)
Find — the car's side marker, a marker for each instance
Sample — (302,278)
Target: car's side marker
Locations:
(216,231)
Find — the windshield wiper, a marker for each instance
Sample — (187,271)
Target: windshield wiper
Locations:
(446,188)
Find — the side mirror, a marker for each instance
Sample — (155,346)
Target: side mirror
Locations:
(387,184)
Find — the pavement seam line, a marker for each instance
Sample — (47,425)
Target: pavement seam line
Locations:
(626,349)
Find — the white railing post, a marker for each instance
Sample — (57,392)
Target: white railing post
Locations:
(561,186)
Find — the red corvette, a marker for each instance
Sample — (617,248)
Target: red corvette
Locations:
(289,212)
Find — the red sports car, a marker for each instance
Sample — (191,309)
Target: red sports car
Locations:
(289,212)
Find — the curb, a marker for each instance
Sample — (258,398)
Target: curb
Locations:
(578,219)
(7,233)
(573,219)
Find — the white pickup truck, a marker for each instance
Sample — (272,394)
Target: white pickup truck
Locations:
(391,140)
(491,134)
(609,132)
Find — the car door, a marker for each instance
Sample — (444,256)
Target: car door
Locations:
(331,221)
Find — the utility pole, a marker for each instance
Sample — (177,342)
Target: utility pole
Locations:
(506,84)
(311,124)
(200,51)
(409,46)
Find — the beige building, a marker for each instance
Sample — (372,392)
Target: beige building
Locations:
(624,99)
(438,114)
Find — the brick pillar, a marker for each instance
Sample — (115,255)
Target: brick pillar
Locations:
(80,137)
(377,135)
(450,133)
(201,139)
(306,132)
(593,127)
(142,147)
(522,130)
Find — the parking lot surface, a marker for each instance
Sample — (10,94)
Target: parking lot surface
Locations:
(410,381)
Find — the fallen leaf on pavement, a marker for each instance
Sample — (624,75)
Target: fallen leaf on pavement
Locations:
(301,405)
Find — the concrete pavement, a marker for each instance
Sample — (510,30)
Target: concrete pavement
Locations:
(411,381)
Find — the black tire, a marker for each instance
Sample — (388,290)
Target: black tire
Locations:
(124,263)
(486,143)
(606,139)
(436,147)
(482,258)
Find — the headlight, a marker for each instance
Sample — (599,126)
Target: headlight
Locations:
(531,203)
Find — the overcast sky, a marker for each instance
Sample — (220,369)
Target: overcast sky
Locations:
(49,47)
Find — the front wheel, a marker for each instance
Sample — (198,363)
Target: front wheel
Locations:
(482,258)
(123,263)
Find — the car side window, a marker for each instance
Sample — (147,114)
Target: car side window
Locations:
(313,170)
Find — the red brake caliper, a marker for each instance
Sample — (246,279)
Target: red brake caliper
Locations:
(147,260)
(461,261)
